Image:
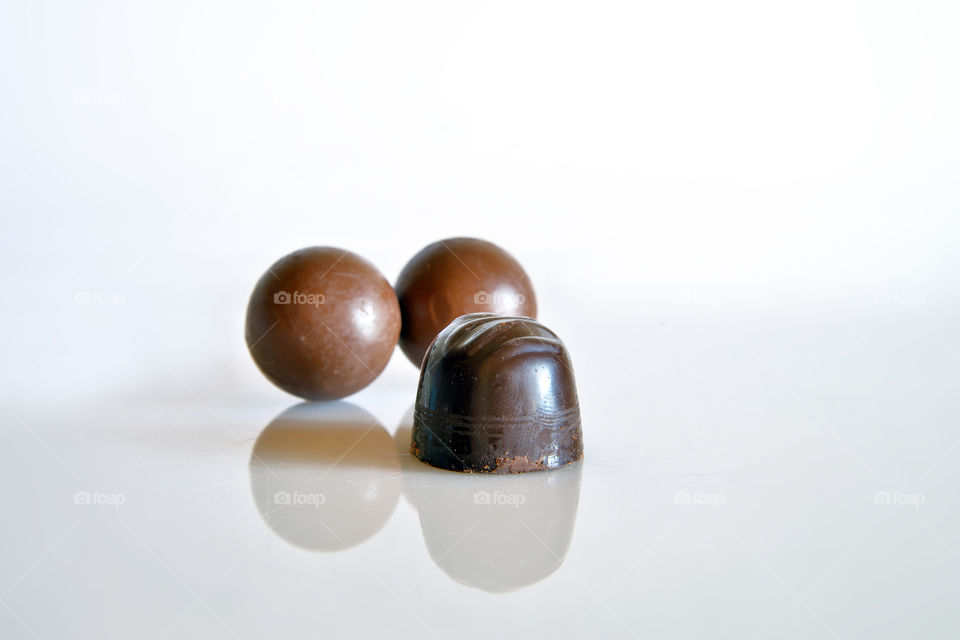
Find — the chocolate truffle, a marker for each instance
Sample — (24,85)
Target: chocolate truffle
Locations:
(322,323)
(496,395)
(454,277)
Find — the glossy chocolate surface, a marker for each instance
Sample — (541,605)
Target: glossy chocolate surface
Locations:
(454,277)
(322,323)
(497,395)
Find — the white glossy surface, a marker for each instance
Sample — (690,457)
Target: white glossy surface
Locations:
(771,473)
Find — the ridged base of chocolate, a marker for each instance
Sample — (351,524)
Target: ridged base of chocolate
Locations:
(502,445)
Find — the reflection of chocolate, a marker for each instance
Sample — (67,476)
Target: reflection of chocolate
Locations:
(325,476)
(495,533)
(454,277)
(496,395)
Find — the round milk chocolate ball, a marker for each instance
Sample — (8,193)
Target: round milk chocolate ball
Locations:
(454,277)
(322,323)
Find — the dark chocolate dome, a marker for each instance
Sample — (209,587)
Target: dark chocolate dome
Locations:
(497,395)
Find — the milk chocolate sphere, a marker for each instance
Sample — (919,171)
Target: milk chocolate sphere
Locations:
(322,323)
(454,277)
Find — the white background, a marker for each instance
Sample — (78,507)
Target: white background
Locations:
(742,218)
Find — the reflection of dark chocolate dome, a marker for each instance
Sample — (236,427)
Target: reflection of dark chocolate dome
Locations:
(496,533)
(497,395)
